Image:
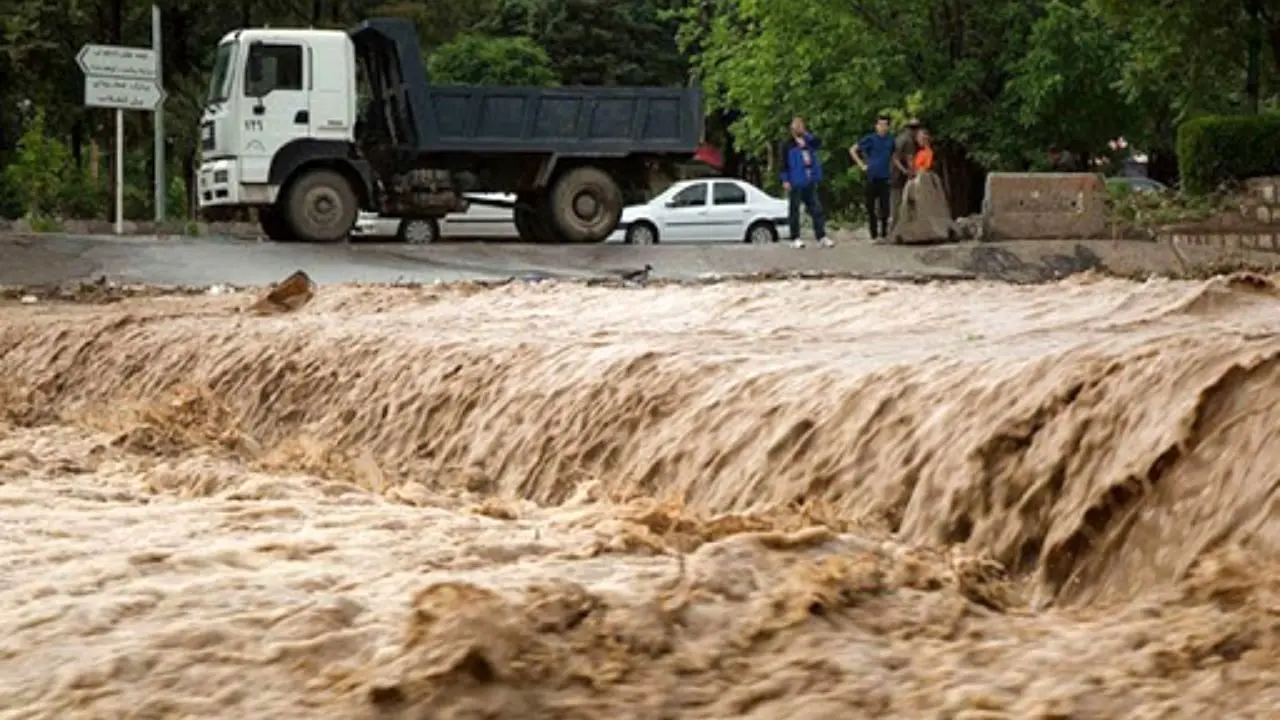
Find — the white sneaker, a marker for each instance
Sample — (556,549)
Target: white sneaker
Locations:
(797,243)
(827,242)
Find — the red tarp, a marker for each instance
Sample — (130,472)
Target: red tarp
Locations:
(709,155)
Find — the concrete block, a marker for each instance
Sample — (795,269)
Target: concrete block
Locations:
(1045,205)
(1263,188)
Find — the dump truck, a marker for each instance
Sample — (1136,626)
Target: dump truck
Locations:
(309,126)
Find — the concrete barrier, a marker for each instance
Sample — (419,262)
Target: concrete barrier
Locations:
(1044,206)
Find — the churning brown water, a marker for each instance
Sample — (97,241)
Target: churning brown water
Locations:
(784,500)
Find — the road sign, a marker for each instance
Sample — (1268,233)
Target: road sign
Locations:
(105,92)
(127,78)
(118,62)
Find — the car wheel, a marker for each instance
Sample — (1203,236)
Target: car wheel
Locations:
(419,231)
(641,233)
(762,233)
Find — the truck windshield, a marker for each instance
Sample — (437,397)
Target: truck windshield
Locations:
(220,84)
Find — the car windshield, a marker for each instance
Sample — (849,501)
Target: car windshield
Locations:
(220,83)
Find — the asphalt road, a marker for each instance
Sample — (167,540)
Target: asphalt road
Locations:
(61,259)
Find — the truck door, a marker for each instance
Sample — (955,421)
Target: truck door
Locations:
(277,103)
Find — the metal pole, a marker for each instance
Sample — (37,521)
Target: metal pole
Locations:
(158,117)
(119,172)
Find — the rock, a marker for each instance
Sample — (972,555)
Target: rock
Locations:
(288,296)
(925,215)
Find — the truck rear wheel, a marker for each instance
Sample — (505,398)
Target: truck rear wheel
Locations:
(531,222)
(273,226)
(586,205)
(321,206)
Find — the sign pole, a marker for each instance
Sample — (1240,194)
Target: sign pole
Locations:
(161,187)
(119,171)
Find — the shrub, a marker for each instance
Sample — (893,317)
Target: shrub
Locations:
(1218,149)
(35,174)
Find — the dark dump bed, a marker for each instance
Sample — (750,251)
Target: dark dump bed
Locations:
(574,121)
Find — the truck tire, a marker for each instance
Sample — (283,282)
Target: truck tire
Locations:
(273,226)
(586,205)
(321,206)
(531,222)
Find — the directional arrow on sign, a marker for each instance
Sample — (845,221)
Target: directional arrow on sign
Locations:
(117,61)
(105,92)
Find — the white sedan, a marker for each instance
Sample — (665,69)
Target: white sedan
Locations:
(705,210)
(477,221)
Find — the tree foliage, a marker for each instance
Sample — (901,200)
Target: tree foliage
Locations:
(598,42)
(481,60)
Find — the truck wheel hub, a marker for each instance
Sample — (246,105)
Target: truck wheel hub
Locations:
(324,205)
(585,206)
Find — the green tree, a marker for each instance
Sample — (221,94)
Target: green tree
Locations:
(990,79)
(1066,89)
(36,173)
(1202,56)
(438,23)
(599,42)
(480,60)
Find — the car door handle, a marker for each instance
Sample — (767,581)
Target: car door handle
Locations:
(302,118)
(259,109)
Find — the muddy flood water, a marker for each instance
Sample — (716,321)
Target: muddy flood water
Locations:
(801,500)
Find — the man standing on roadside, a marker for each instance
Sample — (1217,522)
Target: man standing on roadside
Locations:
(904,156)
(874,154)
(800,174)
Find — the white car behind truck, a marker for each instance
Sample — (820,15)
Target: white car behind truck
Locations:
(478,221)
(309,127)
(707,210)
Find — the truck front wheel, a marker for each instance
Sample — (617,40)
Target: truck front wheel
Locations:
(321,206)
(586,205)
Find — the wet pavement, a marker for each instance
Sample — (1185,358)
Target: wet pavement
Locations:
(57,259)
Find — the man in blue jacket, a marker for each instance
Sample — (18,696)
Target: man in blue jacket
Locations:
(801,172)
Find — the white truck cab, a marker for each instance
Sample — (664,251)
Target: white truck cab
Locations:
(271,88)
